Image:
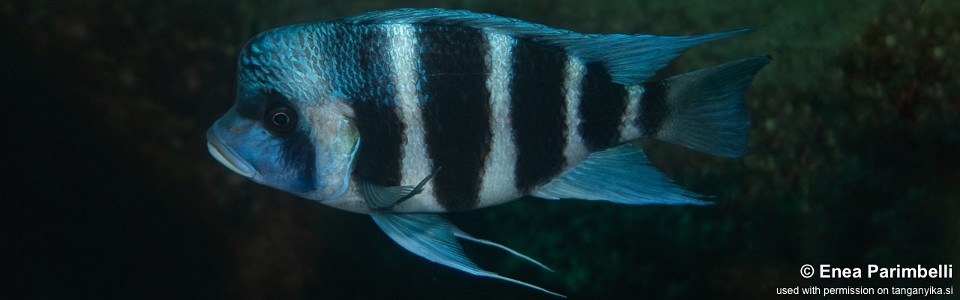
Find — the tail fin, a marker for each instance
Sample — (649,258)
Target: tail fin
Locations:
(703,109)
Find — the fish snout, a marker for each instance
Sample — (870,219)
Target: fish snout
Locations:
(226,156)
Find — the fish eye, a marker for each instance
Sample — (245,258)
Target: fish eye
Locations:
(280,118)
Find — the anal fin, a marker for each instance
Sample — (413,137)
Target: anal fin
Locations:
(621,174)
(434,238)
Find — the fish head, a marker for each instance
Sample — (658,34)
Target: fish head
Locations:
(282,132)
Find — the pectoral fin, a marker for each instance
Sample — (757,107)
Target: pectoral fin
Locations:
(434,238)
(383,197)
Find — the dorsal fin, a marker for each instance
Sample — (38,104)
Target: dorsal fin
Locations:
(630,59)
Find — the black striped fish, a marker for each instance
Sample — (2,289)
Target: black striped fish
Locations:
(406,114)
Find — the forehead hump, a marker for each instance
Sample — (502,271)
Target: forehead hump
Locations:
(288,60)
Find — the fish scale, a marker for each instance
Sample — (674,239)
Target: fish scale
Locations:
(407,114)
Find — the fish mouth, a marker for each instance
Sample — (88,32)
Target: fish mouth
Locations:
(227,157)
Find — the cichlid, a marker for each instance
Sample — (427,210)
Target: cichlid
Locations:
(406,114)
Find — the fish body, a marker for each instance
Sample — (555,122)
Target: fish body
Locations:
(408,113)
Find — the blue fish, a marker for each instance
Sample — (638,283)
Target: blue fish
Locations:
(407,114)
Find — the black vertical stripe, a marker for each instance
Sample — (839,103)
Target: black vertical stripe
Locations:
(299,155)
(537,111)
(297,152)
(374,105)
(653,108)
(602,104)
(456,111)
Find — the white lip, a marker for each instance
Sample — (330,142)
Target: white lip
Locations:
(228,159)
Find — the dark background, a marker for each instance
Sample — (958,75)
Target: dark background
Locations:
(110,193)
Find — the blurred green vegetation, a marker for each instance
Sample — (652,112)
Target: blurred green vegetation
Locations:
(854,161)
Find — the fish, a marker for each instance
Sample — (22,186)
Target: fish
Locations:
(407,114)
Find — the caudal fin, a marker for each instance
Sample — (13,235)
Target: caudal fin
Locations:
(703,109)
